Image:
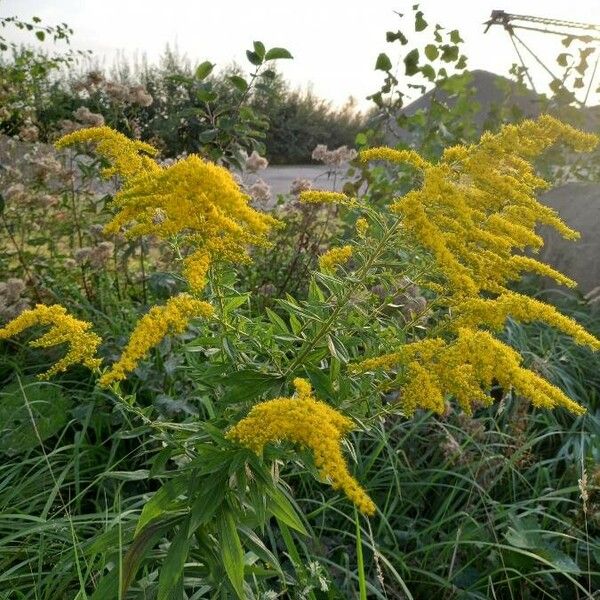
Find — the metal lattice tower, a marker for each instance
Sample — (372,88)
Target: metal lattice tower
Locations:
(587,33)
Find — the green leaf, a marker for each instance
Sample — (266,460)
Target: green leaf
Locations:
(259,48)
(160,502)
(277,53)
(420,22)
(361,139)
(208,136)
(206,95)
(207,503)
(204,70)
(383,62)
(247,384)
(30,411)
(254,58)
(392,36)
(563,59)
(279,323)
(449,53)
(431,51)
(171,573)
(232,553)
(40,35)
(239,82)
(411,62)
(109,585)
(281,507)
(428,72)
(455,37)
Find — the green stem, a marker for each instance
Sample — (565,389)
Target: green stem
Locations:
(341,305)
(362,582)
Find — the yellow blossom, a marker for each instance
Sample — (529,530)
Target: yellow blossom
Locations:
(193,200)
(128,157)
(395,156)
(324,197)
(64,329)
(362,226)
(494,312)
(466,368)
(159,321)
(477,205)
(334,257)
(307,421)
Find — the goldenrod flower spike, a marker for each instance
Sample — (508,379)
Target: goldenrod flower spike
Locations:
(128,157)
(309,422)
(494,312)
(394,156)
(466,368)
(324,197)
(195,200)
(159,321)
(477,205)
(335,257)
(64,328)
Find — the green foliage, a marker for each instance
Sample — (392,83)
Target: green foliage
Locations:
(30,412)
(139,495)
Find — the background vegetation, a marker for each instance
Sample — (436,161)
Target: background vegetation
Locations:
(503,504)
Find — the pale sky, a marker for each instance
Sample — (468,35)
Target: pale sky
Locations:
(334,42)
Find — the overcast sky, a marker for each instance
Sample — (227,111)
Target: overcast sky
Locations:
(334,42)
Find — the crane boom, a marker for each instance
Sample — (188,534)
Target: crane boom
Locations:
(511,21)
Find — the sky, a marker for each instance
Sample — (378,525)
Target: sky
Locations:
(334,42)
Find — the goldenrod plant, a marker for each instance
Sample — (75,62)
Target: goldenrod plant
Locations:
(402,319)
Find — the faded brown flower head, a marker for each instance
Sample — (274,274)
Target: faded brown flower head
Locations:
(256,162)
(82,255)
(139,95)
(300,185)
(101,254)
(260,191)
(29,133)
(87,117)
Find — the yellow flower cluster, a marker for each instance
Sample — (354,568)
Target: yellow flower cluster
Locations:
(394,156)
(324,197)
(64,329)
(159,321)
(335,257)
(128,158)
(198,202)
(477,205)
(362,226)
(493,313)
(465,368)
(307,421)
(473,211)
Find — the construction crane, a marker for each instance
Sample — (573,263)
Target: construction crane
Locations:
(586,33)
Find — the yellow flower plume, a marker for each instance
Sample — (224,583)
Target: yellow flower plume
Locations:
(465,368)
(193,200)
(309,422)
(64,329)
(335,257)
(477,205)
(129,158)
(159,321)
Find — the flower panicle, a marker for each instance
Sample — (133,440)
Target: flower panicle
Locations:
(171,319)
(409,157)
(129,158)
(325,197)
(465,368)
(334,257)
(63,329)
(311,423)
